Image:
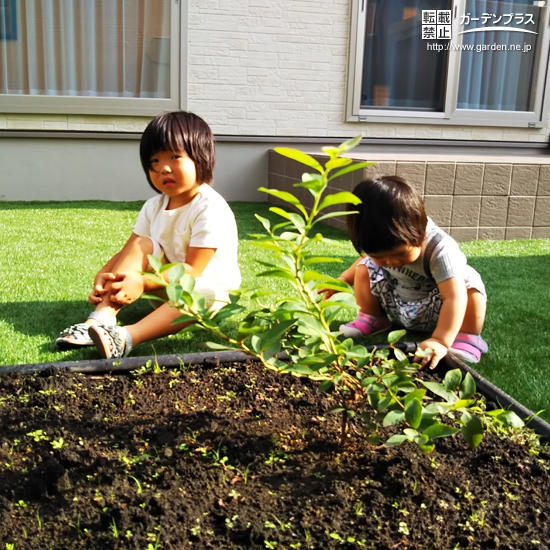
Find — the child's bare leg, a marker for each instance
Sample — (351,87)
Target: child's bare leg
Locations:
(367,302)
(133,259)
(474,317)
(155,325)
(469,345)
(119,341)
(371,318)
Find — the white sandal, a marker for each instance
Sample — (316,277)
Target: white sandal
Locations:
(76,336)
(111,342)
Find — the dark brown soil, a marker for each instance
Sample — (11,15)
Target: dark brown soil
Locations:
(232,456)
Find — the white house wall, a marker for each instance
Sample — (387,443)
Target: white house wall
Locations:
(271,68)
(256,68)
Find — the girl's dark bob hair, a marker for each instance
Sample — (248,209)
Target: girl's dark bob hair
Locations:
(391,214)
(179,131)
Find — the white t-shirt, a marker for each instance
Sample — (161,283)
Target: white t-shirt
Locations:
(205,222)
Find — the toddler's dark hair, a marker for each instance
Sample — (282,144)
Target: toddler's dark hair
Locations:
(391,214)
(179,131)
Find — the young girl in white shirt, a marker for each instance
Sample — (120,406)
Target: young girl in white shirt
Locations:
(187,223)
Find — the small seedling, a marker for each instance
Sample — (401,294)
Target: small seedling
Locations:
(58,443)
(230,523)
(139,489)
(114,528)
(38,436)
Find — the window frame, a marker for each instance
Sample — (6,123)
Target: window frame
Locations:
(124,106)
(451,115)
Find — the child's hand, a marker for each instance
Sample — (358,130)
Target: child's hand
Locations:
(127,288)
(327,292)
(99,290)
(439,351)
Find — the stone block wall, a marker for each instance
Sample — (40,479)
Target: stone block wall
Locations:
(477,199)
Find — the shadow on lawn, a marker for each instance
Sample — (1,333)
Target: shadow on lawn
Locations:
(48,319)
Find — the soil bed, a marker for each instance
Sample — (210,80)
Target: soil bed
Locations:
(231,456)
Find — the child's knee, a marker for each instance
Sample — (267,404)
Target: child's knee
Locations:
(477,300)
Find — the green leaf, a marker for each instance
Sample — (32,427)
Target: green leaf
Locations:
(275,333)
(507,418)
(413,413)
(399,355)
(350,168)
(452,379)
(220,347)
(296,219)
(268,246)
(411,434)
(343,197)
(439,430)
(472,429)
(299,156)
(337,163)
(298,369)
(280,273)
(326,386)
(227,311)
(427,448)
(440,391)
(285,196)
(311,275)
(154,262)
(187,283)
(340,299)
(461,404)
(332,152)
(174,292)
(468,387)
(185,319)
(332,215)
(176,273)
(393,417)
(395,336)
(349,144)
(322,259)
(415,394)
(437,408)
(264,221)
(313,185)
(395,440)
(374,439)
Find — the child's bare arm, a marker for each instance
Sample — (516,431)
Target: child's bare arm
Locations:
(455,299)
(347,276)
(103,276)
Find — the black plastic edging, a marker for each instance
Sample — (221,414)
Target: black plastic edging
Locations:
(500,398)
(127,364)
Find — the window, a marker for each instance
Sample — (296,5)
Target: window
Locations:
(89,56)
(469,62)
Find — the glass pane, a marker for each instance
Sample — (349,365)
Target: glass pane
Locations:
(402,70)
(94,48)
(498,66)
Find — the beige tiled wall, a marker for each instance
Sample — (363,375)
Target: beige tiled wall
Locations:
(477,199)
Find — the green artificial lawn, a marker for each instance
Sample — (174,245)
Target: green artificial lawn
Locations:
(50,252)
